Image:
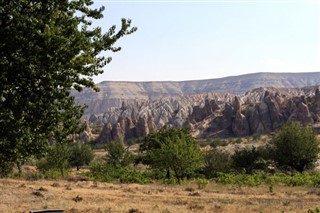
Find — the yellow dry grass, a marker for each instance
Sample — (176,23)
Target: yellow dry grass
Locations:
(23,196)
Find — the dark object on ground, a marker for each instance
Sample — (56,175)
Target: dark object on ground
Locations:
(77,199)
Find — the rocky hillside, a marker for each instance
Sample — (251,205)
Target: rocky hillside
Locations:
(113,94)
(260,110)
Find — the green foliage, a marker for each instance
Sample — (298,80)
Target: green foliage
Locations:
(218,142)
(295,147)
(172,150)
(117,155)
(46,49)
(256,137)
(216,161)
(247,160)
(238,141)
(255,179)
(316,210)
(202,183)
(80,154)
(102,171)
(57,159)
(5,168)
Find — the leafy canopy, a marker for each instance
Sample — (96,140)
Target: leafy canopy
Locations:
(46,49)
(295,147)
(118,155)
(172,150)
(80,155)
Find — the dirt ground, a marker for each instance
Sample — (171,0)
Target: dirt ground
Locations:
(88,196)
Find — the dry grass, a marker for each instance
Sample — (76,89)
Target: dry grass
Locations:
(86,196)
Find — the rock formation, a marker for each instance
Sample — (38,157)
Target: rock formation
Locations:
(120,93)
(262,110)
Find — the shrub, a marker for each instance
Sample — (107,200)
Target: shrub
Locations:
(102,171)
(218,142)
(216,161)
(5,168)
(56,159)
(247,160)
(117,155)
(202,183)
(316,210)
(295,147)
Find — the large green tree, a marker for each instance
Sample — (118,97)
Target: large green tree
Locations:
(172,150)
(47,47)
(295,147)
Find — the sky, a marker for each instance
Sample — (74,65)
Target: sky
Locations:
(190,40)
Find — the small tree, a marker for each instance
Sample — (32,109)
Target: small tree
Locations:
(56,159)
(80,154)
(173,150)
(117,155)
(295,147)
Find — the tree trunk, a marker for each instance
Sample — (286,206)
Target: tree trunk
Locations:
(168,175)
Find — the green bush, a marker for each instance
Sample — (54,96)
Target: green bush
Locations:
(316,210)
(259,178)
(202,183)
(248,160)
(5,168)
(218,142)
(56,159)
(216,161)
(295,147)
(102,171)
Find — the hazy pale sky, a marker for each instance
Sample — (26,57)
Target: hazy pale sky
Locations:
(187,40)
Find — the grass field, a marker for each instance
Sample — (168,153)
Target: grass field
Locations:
(87,196)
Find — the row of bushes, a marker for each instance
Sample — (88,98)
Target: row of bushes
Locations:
(256,179)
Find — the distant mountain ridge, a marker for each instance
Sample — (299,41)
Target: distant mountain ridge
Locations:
(114,93)
(261,111)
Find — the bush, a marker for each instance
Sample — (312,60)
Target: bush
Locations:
(247,160)
(102,171)
(117,155)
(298,179)
(202,183)
(5,168)
(295,147)
(316,210)
(56,159)
(218,142)
(216,161)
